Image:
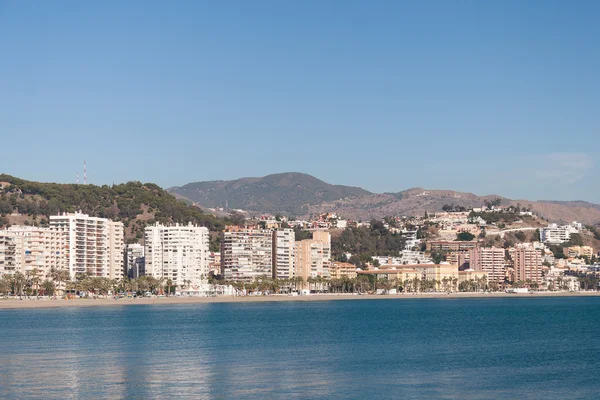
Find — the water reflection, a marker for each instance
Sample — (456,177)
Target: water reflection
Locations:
(312,350)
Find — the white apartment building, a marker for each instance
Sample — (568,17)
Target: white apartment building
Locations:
(134,260)
(313,256)
(36,248)
(246,253)
(283,253)
(90,245)
(489,260)
(554,234)
(7,254)
(177,252)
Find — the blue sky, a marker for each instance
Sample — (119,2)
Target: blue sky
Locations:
(487,97)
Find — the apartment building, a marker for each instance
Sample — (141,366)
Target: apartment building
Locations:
(489,260)
(35,248)
(283,253)
(214,263)
(135,261)
(177,252)
(339,270)
(246,253)
(578,251)
(313,256)
(554,234)
(458,258)
(90,245)
(7,254)
(527,264)
(445,245)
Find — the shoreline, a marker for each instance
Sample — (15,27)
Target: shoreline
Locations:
(108,302)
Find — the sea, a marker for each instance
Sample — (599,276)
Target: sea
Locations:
(477,348)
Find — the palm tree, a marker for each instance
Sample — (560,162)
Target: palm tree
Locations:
(59,276)
(18,282)
(169,283)
(33,279)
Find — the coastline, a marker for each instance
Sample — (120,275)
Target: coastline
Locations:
(109,302)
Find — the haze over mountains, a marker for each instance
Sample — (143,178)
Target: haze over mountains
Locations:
(299,194)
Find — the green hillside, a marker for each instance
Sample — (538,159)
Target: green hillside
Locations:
(136,204)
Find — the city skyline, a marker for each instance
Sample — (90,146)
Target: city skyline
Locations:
(483,98)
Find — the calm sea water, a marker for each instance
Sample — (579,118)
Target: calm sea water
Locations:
(381,349)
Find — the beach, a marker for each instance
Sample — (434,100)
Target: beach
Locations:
(32,302)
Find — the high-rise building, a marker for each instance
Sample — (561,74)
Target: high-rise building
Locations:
(90,245)
(490,260)
(283,253)
(36,248)
(246,253)
(528,265)
(7,255)
(134,260)
(313,256)
(177,252)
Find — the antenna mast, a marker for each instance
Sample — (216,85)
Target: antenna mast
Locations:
(84,173)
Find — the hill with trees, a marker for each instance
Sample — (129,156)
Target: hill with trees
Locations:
(136,204)
(291,193)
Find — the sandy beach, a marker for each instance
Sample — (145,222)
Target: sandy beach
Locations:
(47,303)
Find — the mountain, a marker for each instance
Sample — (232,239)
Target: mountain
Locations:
(301,195)
(136,204)
(289,193)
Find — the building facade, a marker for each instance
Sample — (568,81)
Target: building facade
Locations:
(135,261)
(177,252)
(489,260)
(313,256)
(283,253)
(246,253)
(36,248)
(339,270)
(527,265)
(90,245)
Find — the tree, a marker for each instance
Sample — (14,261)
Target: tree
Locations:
(48,287)
(465,236)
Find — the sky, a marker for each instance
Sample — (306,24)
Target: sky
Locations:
(487,97)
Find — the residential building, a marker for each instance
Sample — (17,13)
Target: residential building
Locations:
(578,251)
(36,248)
(554,234)
(283,253)
(135,261)
(177,252)
(444,275)
(447,245)
(458,258)
(470,274)
(246,253)
(339,270)
(90,245)
(527,264)
(489,260)
(313,256)
(7,254)
(214,263)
